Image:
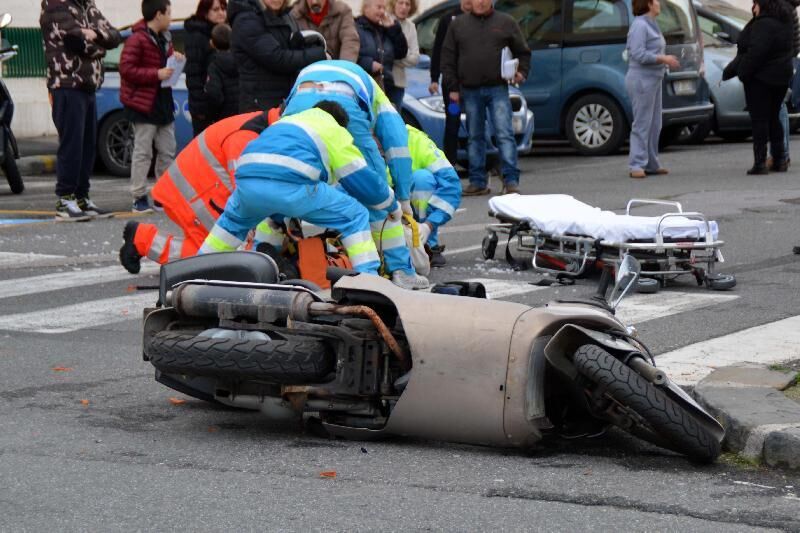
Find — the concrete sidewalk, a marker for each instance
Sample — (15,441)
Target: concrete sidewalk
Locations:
(761,423)
(37,155)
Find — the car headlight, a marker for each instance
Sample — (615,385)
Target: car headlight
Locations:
(434,103)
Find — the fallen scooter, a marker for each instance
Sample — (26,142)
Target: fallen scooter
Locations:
(9,152)
(375,360)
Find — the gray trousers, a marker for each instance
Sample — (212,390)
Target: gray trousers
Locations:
(644,90)
(145,137)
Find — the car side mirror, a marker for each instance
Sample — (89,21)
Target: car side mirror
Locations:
(626,278)
(5,20)
(723,36)
(424,62)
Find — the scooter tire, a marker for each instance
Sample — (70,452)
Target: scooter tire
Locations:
(12,171)
(279,361)
(667,424)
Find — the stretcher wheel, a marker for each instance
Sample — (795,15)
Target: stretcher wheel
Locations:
(647,285)
(720,282)
(489,245)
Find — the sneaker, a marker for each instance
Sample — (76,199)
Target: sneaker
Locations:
(67,210)
(475,190)
(511,188)
(411,282)
(91,209)
(142,205)
(437,257)
(128,255)
(158,207)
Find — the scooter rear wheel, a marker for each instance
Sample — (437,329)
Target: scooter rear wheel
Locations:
(280,361)
(11,170)
(666,423)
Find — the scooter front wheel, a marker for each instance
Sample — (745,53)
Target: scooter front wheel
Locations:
(660,420)
(11,170)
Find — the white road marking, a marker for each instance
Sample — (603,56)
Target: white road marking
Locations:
(80,316)
(460,229)
(472,248)
(65,280)
(770,343)
(23,259)
(638,308)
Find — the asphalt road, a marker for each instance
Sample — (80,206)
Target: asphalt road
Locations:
(97,445)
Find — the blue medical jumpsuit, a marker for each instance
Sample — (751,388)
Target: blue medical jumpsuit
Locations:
(369,110)
(291,169)
(435,188)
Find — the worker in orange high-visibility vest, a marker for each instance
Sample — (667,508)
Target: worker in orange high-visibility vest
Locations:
(193,193)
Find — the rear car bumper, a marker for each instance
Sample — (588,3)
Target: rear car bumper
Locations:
(684,116)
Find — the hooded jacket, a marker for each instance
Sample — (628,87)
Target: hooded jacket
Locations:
(338,28)
(198,57)
(72,61)
(222,87)
(138,69)
(266,55)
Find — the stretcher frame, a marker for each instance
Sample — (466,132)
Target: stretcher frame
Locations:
(661,259)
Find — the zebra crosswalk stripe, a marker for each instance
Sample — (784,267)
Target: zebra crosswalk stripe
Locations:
(65,280)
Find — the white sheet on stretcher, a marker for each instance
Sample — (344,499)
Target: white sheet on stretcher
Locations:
(560,214)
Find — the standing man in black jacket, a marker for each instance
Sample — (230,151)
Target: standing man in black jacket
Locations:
(452,119)
(471,57)
(269,51)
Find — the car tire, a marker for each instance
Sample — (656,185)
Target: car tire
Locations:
(694,134)
(11,170)
(596,125)
(115,144)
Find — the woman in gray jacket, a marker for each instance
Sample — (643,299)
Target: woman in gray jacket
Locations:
(646,62)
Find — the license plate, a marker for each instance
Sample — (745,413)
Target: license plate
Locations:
(684,87)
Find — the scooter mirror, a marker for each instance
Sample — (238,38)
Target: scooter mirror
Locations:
(627,275)
(5,20)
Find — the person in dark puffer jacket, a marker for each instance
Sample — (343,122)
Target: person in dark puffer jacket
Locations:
(199,55)
(763,63)
(269,51)
(382,42)
(222,85)
(142,68)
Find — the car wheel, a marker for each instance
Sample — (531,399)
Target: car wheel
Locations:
(115,144)
(596,125)
(694,134)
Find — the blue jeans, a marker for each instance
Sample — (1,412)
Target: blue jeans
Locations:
(476,101)
(783,116)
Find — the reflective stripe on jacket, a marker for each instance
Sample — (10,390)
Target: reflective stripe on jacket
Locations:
(386,122)
(195,188)
(426,155)
(311,146)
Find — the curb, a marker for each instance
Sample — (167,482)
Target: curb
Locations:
(761,423)
(36,164)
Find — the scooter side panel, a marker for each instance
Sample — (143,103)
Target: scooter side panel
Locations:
(460,352)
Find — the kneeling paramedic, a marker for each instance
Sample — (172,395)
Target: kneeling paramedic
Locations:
(435,190)
(291,170)
(369,111)
(193,193)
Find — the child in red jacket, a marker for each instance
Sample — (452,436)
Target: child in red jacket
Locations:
(143,68)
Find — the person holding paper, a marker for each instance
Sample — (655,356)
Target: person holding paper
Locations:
(472,72)
(143,69)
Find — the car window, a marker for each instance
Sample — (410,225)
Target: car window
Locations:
(710,29)
(540,20)
(676,22)
(426,30)
(599,21)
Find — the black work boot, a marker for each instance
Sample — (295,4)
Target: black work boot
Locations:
(128,255)
(437,257)
(760,160)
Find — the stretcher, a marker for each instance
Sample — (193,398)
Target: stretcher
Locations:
(570,239)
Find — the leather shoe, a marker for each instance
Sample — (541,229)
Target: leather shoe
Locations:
(475,190)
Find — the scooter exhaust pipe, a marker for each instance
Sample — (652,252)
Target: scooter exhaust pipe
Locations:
(226,302)
(652,374)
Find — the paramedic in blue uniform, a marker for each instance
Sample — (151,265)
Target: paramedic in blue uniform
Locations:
(646,66)
(370,112)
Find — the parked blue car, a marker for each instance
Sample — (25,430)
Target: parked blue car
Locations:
(576,87)
(115,132)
